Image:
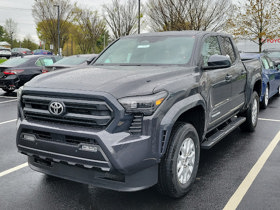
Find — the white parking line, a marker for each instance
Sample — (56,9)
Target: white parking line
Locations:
(7,96)
(2,102)
(272,120)
(249,179)
(13,169)
(1,123)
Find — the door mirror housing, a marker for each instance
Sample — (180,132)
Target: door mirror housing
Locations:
(217,62)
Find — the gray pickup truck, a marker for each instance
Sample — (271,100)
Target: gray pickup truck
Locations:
(139,115)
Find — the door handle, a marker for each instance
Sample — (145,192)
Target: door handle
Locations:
(228,77)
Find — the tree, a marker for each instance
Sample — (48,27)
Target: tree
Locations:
(122,19)
(2,33)
(90,27)
(45,15)
(256,20)
(167,15)
(11,30)
(28,43)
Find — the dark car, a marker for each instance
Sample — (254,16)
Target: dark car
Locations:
(139,114)
(270,76)
(273,53)
(73,61)
(17,71)
(21,51)
(42,52)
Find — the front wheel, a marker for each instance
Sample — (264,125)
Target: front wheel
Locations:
(178,168)
(251,114)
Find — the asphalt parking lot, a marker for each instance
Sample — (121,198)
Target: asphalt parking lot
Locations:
(242,172)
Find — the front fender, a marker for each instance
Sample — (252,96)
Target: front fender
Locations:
(172,116)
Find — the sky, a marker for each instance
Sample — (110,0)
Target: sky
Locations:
(21,12)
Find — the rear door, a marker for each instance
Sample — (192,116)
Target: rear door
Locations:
(219,86)
(236,72)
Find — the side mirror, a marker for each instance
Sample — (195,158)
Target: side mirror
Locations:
(218,61)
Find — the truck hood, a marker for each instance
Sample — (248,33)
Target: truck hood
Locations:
(119,81)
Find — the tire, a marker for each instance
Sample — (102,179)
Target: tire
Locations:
(265,100)
(251,114)
(7,90)
(278,94)
(177,173)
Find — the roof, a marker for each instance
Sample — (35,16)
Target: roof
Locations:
(177,33)
(249,56)
(4,44)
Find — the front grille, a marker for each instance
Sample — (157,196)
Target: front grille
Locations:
(88,112)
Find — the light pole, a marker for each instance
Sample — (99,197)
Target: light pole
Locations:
(138,16)
(58,32)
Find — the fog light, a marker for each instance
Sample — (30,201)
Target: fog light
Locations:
(28,137)
(88,148)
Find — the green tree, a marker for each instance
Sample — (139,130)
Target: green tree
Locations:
(256,20)
(28,43)
(45,15)
(88,30)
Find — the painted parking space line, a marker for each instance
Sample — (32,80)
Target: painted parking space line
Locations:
(7,96)
(271,120)
(13,169)
(249,179)
(2,102)
(1,123)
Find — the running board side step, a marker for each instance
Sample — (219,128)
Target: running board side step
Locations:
(219,135)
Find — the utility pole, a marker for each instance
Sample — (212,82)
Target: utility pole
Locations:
(58,32)
(138,16)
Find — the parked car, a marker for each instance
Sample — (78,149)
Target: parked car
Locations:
(15,72)
(140,113)
(5,52)
(21,51)
(73,61)
(270,76)
(273,53)
(42,52)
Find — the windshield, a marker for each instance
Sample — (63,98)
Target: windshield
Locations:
(274,54)
(72,60)
(154,50)
(14,61)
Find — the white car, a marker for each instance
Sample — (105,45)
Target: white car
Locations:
(5,52)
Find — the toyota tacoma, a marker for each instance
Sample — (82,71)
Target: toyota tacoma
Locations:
(140,114)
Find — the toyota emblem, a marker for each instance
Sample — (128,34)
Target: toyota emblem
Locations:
(56,108)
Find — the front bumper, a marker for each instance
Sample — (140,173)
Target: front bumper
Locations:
(120,161)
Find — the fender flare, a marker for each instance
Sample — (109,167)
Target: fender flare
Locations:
(172,116)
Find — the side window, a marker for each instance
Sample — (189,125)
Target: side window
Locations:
(47,61)
(44,62)
(270,63)
(38,62)
(228,48)
(265,63)
(210,47)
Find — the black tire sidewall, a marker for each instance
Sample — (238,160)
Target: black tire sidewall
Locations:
(250,126)
(263,104)
(183,131)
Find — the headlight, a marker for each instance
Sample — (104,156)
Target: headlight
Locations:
(19,93)
(143,104)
